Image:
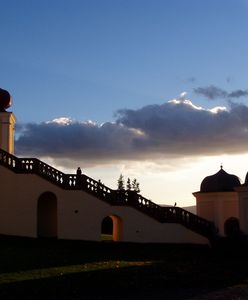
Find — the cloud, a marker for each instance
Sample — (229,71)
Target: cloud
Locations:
(191,79)
(213,92)
(64,138)
(175,129)
(238,93)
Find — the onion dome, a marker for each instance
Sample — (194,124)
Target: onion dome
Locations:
(5,100)
(220,182)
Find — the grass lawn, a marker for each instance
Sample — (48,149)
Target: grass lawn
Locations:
(59,269)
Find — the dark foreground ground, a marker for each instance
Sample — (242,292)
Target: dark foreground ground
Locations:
(57,269)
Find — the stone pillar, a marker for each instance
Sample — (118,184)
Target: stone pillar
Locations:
(7,129)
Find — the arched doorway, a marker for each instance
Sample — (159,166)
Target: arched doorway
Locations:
(232,227)
(47,215)
(111,228)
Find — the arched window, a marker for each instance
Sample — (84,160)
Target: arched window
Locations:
(231,227)
(47,215)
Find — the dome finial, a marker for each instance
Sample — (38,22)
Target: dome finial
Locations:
(221,166)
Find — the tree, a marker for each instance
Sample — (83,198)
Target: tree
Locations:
(134,183)
(129,186)
(135,186)
(120,183)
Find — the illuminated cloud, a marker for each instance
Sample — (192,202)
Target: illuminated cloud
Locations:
(175,129)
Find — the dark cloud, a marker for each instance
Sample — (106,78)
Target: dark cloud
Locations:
(77,140)
(213,92)
(174,129)
(238,93)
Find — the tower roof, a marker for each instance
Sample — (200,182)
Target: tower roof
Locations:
(220,182)
(5,100)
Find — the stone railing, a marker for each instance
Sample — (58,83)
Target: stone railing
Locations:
(113,197)
(166,214)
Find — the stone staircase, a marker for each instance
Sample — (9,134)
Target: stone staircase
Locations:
(113,197)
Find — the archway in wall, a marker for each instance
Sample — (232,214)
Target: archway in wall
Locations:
(47,215)
(231,227)
(111,228)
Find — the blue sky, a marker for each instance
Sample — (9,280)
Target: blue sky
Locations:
(120,62)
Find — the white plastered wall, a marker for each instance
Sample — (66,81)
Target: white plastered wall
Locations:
(79,214)
(217,207)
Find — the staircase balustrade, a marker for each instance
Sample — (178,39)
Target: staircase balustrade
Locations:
(113,197)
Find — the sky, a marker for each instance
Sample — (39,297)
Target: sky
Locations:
(152,89)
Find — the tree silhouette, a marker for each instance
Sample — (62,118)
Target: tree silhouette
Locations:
(120,183)
(129,186)
(135,186)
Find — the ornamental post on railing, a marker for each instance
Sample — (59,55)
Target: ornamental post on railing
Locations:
(18,167)
(120,197)
(133,198)
(84,182)
(35,165)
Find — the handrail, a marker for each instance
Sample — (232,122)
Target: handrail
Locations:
(113,197)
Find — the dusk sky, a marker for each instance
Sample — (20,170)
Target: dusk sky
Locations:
(154,89)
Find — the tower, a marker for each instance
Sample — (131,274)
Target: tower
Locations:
(217,201)
(7,123)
